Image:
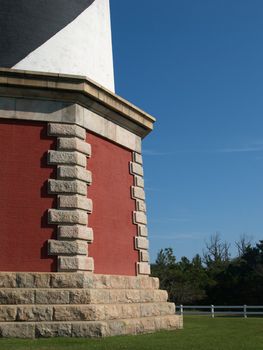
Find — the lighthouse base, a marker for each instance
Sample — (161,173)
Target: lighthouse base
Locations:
(35,305)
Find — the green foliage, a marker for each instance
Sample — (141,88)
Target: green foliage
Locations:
(215,278)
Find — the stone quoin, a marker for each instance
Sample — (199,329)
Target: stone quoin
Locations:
(74,258)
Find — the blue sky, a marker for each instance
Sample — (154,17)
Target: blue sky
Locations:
(197,66)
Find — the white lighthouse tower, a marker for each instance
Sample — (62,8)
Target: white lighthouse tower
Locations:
(58,36)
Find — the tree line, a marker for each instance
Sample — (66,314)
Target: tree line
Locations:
(214,277)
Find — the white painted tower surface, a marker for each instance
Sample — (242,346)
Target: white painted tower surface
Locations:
(58,36)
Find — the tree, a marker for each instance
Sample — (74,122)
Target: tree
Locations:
(243,244)
(217,252)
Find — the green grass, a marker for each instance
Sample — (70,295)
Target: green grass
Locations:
(199,332)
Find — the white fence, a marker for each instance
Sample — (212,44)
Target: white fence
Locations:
(220,310)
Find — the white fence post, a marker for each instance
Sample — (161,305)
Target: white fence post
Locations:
(213,311)
(181,309)
(245,311)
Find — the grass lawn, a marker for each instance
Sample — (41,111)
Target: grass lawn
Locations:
(200,332)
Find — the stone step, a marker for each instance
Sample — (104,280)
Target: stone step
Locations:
(12,296)
(92,312)
(89,329)
(75,280)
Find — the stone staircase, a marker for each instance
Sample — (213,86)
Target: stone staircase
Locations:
(36,305)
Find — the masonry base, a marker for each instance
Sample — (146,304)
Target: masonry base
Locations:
(34,305)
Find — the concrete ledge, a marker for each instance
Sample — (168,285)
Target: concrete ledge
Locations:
(18,281)
(74,144)
(77,90)
(75,172)
(67,158)
(59,129)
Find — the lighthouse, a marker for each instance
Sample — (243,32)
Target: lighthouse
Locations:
(74,258)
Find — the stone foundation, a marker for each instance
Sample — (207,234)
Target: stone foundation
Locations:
(36,305)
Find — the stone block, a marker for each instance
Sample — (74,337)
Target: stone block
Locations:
(89,329)
(113,311)
(138,193)
(67,247)
(68,158)
(119,282)
(16,296)
(166,308)
(146,282)
(7,280)
(51,330)
(81,296)
(141,243)
(149,310)
(52,297)
(137,158)
(116,296)
(67,217)
(139,217)
(69,187)
(17,330)
(136,169)
(32,280)
(148,325)
(76,232)
(67,280)
(74,173)
(133,296)
(75,202)
(130,310)
(155,282)
(138,181)
(143,268)
(76,263)
(100,296)
(119,327)
(140,205)
(147,295)
(7,313)
(34,313)
(160,295)
(79,313)
(101,281)
(144,256)
(142,231)
(57,129)
(74,144)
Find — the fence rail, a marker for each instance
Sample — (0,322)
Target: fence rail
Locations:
(220,310)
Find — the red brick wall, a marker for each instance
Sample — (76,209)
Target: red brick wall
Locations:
(23,197)
(113,247)
(24,202)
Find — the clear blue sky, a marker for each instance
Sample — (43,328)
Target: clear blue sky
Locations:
(197,66)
